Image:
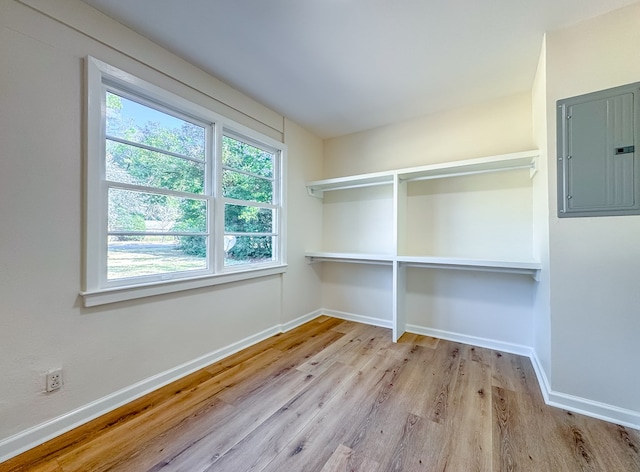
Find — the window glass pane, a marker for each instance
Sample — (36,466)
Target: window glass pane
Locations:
(130,210)
(245,157)
(150,255)
(245,187)
(138,123)
(133,165)
(248,250)
(247,219)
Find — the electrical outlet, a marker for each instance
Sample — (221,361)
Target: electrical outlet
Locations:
(54,380)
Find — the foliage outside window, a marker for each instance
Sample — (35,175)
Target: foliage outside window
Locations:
(174,191)
(248,188)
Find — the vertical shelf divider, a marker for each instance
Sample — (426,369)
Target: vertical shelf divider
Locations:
(399,270)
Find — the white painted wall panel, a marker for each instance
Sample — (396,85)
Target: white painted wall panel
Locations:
(480,305)
(358,220)
(358,289)
(486,216)
(595,262)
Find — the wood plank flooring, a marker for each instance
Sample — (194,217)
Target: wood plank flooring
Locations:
(334,396)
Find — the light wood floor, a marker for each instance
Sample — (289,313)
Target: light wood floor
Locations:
(335,396)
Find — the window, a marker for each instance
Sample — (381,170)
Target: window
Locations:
(177,196)
(250,195)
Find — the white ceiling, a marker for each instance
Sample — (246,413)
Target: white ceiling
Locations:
(340,66)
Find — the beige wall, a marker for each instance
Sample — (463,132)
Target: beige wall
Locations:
(486,129)
(595,262)
(42,323)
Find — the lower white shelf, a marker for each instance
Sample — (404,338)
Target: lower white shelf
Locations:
(355,258)
(531,268)
(486,265)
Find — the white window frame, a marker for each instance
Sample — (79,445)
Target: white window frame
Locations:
(97,288)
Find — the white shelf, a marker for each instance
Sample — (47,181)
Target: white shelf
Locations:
(483,265)
(354,258)
(503,162)
(317,188)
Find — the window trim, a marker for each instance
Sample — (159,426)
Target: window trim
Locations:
(97,290)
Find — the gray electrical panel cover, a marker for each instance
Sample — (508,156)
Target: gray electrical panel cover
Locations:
(598,171)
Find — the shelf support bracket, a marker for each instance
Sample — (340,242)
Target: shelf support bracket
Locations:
(534,168)
(315,193)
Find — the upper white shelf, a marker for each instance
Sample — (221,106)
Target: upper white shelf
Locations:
(317,188)
(503,162)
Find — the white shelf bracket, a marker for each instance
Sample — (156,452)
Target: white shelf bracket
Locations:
(315,193)
(534,168)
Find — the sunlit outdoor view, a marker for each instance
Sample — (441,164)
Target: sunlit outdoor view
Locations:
(157,215)
(157,201)
(247,178)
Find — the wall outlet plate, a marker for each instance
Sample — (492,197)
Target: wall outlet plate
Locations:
(54,380)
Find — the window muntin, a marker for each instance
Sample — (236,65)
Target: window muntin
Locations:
(245,157)
(132,164)
(159,170)
(130,120)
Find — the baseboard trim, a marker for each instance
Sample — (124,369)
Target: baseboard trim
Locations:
(358,318)
(543,381)
(472,340)
(289,325)
(583,406)
(601,411)
(32,437)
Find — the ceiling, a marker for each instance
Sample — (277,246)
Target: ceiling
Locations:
(341,66)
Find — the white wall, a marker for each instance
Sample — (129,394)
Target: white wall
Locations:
(459,217)
(359,292)
(595,262)
(487,216)
(542,315)
(301,285)
(42,323)
(358,220)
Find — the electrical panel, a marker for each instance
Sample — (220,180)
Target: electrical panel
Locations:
(598,163)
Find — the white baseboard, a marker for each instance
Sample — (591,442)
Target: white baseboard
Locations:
(572,403)
(473,340)
(543,381)
(289,325)
(583,406)
(358,318)
(601,411)
(32,437)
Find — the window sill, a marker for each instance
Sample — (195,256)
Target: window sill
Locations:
(120,294)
